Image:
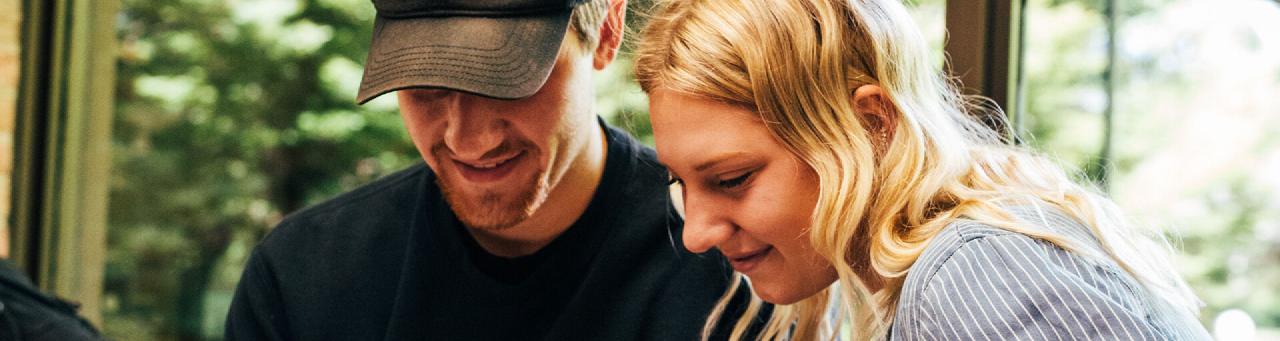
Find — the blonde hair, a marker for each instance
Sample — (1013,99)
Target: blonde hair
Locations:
(797,64)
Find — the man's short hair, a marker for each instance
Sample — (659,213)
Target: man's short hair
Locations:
(585,22)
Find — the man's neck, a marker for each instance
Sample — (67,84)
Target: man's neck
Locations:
(567,202)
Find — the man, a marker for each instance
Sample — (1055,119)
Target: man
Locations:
(531,219)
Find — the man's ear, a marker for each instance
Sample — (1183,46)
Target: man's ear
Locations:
(875,109)
(611,33)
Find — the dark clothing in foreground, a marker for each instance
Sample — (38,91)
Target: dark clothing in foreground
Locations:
(26,314)
(390,261)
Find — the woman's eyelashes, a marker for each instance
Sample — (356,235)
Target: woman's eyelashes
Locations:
(726,184)
(735,182)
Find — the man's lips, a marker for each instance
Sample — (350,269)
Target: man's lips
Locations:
(489,170)
(489,163)
(745,261)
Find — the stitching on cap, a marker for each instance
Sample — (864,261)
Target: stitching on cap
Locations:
(506,44)
(470,79)
(465,76)
(453,67)
(443,62)
(504,50)
(391,66)
(453,53)
(453,73)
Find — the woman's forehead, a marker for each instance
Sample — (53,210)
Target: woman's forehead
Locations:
(691,132)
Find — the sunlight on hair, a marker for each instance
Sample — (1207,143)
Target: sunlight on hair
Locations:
(797,65)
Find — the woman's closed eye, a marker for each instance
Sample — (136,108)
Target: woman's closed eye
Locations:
(735,182)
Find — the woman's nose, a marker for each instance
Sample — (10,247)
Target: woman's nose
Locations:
(704,226)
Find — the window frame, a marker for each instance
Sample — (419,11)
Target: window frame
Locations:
(984,49)
(62,147)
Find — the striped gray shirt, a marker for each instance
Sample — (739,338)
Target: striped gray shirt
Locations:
(978,282)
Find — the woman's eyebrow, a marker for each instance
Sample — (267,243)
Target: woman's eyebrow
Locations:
(717,160)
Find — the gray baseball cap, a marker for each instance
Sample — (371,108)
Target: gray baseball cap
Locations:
(495,48)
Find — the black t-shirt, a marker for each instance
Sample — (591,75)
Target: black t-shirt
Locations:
(26,314)
(390,261)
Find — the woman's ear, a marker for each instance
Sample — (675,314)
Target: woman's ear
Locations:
(877,113)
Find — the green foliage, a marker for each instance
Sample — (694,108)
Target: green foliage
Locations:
(229,116)
(621,102)
(1191,125)
(1245,275)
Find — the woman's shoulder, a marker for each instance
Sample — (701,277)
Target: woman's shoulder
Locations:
(975,280)
(981,246)
(968,252)
(963,240)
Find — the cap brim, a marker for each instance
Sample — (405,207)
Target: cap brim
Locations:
(504,58)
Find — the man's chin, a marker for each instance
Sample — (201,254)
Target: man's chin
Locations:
(488,222)
(487,212)
(493,211)
(494,208)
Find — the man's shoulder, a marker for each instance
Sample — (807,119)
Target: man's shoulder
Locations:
(647,224)
(402,183)
(308,268)
(643,175)
(375,209)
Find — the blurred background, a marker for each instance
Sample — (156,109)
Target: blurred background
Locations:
(226,115)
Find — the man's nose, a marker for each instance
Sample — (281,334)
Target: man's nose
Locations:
(471,129)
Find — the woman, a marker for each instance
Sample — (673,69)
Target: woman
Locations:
(816,143)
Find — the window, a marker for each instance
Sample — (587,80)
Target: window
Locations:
(228,115)
(1192,145)
(60,150)
(10,24)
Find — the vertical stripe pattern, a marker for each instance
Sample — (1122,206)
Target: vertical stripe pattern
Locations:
(978,282)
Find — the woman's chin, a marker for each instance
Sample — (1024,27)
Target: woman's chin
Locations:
(779,294)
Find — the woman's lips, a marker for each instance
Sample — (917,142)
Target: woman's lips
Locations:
(489,170)
(744,262)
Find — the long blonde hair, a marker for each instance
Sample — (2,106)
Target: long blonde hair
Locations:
(797,63)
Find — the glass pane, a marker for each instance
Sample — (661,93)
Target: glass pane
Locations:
(931,16)
(1065,57)
(1196,126)
(230,114)
(10,28)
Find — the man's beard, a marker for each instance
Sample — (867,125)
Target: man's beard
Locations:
(494,210)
